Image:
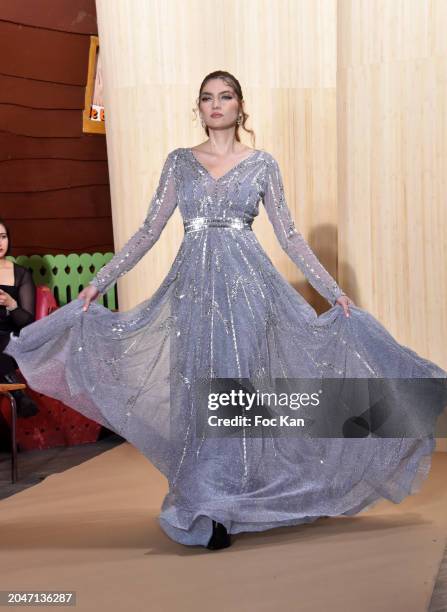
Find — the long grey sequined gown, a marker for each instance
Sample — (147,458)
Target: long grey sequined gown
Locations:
(224,310)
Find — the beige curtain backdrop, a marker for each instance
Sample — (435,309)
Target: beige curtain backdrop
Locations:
(350,96)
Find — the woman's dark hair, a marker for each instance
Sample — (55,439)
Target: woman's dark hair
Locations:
(8,252)
(235,85)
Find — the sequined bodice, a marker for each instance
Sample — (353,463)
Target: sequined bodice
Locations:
(228,202)
(235,194)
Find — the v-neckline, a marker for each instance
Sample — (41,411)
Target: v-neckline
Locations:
(213,178)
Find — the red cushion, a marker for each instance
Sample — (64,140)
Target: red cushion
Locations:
(45,302)
(55,424)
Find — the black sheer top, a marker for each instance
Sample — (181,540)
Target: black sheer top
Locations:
(24,292)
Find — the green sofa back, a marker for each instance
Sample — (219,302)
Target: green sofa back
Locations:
(67,275)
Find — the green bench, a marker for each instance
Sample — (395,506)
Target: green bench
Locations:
(67,275)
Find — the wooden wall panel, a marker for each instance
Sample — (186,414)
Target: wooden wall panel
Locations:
(36,53)
(392,164)
(83,147)
(40,94)
(89,202)
(39,123)
(50,174)
(54,184)
(77,16)
(59,232)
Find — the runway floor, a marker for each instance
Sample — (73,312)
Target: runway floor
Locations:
(93,529)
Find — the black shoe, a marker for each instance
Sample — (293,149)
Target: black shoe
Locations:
(26,406)
(220,538)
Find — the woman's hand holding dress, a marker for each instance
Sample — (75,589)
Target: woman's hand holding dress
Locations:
(88,294)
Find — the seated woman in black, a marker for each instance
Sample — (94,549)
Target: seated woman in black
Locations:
(17,304)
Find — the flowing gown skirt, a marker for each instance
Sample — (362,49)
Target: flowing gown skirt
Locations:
(235,316)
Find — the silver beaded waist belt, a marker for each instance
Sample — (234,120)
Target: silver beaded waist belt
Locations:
(197,223)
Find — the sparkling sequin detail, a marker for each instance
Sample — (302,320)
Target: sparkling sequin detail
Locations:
(223,310)
(198,223)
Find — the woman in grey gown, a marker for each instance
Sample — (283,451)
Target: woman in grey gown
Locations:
(224,311)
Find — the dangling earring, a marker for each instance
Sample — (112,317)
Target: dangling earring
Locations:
(239,119)
(202,122)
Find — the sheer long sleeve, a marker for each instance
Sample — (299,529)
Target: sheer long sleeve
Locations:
(291,241)
(162,205)
(24,314)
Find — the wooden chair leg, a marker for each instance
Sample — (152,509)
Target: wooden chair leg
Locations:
(6,389)
(14,475)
